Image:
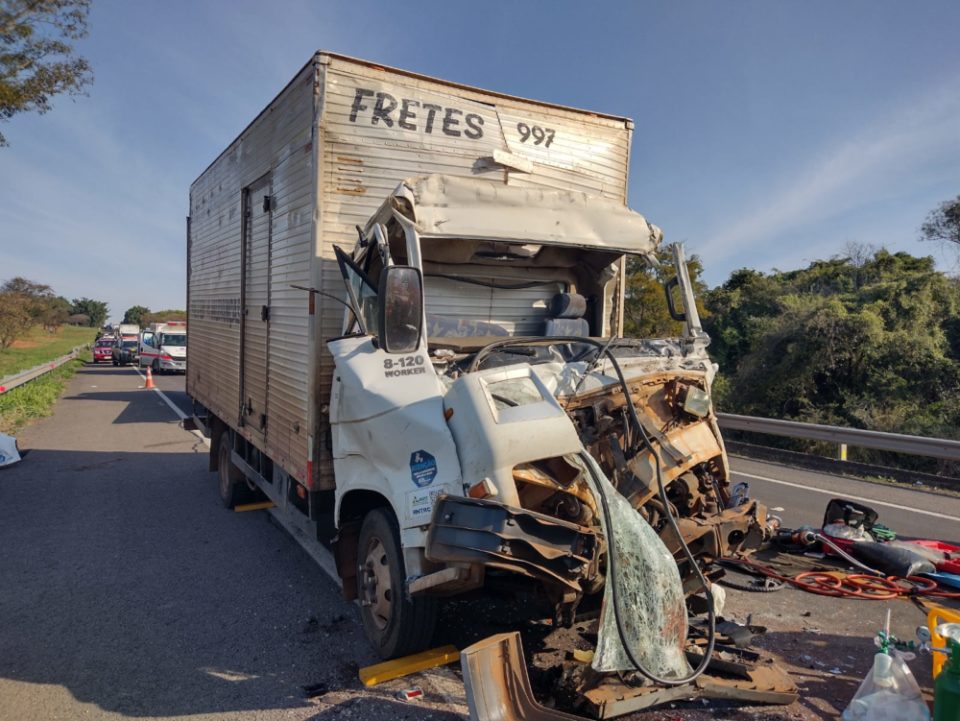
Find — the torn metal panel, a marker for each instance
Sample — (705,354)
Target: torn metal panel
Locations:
(467,208)
(497,685)
(466,530)
(764,684)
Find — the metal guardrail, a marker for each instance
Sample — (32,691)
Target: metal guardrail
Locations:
(18,379)
(894,442)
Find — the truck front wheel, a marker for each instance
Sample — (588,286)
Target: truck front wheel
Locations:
(395,624)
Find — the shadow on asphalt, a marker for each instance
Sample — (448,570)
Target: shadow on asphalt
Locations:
(140,406)
(128,584)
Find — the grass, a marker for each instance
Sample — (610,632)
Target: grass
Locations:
(38,347)
(35,399)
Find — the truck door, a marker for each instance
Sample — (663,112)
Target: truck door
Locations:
(255,299)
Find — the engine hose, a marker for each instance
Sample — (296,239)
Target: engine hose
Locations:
(846,556)
(617,611)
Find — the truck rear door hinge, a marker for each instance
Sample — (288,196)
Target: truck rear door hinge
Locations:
(264,312)
(267,203)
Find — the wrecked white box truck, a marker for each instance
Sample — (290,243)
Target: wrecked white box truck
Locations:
(406,304)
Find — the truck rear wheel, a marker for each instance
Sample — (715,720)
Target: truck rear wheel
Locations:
(395,624)
(232,484)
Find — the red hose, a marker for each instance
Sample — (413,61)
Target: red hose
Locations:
(854,585)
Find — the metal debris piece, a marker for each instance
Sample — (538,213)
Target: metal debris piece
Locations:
(498,688)
(497,685)
(763,685)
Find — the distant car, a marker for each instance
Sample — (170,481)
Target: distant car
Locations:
(124,351)
(103,350)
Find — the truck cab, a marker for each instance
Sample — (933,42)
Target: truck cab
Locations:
(483,401)
(163,347)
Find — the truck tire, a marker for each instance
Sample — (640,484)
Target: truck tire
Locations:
(395,624)
(232,484)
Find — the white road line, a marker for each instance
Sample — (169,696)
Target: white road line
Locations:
(173,406)
(839,494)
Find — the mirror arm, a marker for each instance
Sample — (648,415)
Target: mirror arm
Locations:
(341,301)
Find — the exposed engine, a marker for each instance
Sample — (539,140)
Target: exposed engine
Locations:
(670,394)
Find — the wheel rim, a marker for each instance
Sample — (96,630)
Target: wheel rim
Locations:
(375,582)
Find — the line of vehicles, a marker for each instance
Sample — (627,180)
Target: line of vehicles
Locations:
(160,346)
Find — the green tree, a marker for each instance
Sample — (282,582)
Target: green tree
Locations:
(14,317)
(38,301)
(95,310)
(137,314)
(645,311)
(943,223)
(869,343)
(37,59)
(166,315)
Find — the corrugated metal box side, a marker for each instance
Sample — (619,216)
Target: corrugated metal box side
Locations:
(278,142)
(378,126)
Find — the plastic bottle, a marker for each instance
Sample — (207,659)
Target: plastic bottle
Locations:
(946,689)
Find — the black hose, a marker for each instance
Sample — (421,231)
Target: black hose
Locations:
(847,557)
(604,349)
(711,613)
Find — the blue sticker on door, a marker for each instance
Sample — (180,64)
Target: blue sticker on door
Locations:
(423,468)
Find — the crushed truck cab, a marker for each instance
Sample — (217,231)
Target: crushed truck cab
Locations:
(483,432)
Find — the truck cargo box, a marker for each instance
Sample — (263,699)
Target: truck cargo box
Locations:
(266,215)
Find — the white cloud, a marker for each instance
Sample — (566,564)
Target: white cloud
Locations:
(919,139)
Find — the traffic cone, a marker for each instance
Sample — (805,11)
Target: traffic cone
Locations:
(149,379)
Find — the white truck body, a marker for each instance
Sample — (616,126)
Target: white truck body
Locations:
(398,288)
(326,152)
(127,330)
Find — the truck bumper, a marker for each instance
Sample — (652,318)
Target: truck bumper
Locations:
(173,365)
(473,531)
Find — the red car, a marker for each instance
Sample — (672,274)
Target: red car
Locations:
(102,350)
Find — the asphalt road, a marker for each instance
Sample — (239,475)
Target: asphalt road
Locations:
(127,591)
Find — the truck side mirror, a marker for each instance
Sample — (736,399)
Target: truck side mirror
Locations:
(401,309)
(668,288)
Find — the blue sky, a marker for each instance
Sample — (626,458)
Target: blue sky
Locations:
(768,134)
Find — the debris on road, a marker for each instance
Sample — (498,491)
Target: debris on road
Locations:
(889,692)
(9,453)
(411,694)
(400,667)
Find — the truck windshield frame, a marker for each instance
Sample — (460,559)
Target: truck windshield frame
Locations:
(363,294)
